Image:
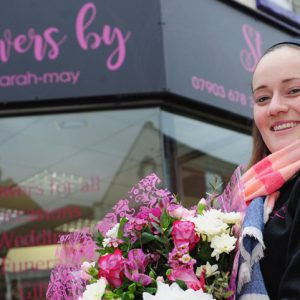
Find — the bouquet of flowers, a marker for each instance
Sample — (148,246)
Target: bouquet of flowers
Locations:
(159,250)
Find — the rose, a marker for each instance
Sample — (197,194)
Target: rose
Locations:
(179,212)
(184,232)
(110,267)
(187,275)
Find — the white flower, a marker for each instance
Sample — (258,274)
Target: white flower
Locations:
(185,258)
(113,232)
(231,217)
(226,217)
(94,291)
(210,270)
(208,225)
(174,292)
(105,242)
(213,213)
(222,244)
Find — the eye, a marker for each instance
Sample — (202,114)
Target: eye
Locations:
(261,99)
(294,91)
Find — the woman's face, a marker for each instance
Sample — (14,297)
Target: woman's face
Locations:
(276,91)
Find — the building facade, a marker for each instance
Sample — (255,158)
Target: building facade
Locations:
(96,95)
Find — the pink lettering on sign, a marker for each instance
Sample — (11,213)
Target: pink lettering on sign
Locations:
(249,57)
(109,36)
(221,92)
(43,45)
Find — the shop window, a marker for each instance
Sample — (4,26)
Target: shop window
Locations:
(63,172)
(60,173)
(204,155)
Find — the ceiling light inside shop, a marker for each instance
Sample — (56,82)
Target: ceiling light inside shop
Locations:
(77,225)
(51,181)
(9,215)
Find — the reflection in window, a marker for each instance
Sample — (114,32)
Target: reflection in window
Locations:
(63,172)
(60,173)
(202,153)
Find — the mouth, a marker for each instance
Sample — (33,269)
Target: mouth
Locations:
(284,126)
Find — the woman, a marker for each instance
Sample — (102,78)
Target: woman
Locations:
(276,132)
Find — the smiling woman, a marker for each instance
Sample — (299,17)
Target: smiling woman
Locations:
(274,168)
(276,90)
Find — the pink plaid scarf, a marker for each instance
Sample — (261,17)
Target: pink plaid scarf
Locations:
(269,174)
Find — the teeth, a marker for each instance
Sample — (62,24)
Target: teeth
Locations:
(284,126)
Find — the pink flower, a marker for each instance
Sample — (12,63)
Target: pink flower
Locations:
(184,232)
(134,227)
(179,212)
(148,214)
(187,275)
(110,267)
(135,267)
(145,214)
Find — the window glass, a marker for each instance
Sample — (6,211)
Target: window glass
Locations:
(63,172)
(202,152)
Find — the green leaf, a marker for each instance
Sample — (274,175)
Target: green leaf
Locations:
(147,238)
(169,231)
(157,227)
(228,294)
(165,220)
(93,271)
(205,252)
(109,295)
(154,218)
(160,239)
(121,228)
(99,239)
(93,280)
(152,274)
(200,208)
(132,288)
(181,284)
(151,290)
(127,296)
(168,272)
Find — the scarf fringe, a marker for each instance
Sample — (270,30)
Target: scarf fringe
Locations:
(244,276)
(250,258)
(258,251)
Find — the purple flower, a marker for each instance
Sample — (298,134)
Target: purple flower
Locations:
(135,267)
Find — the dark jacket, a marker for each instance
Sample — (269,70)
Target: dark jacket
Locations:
(281,264)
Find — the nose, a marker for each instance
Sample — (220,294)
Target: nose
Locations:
(277,105)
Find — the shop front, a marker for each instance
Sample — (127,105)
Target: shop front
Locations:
(98,94)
